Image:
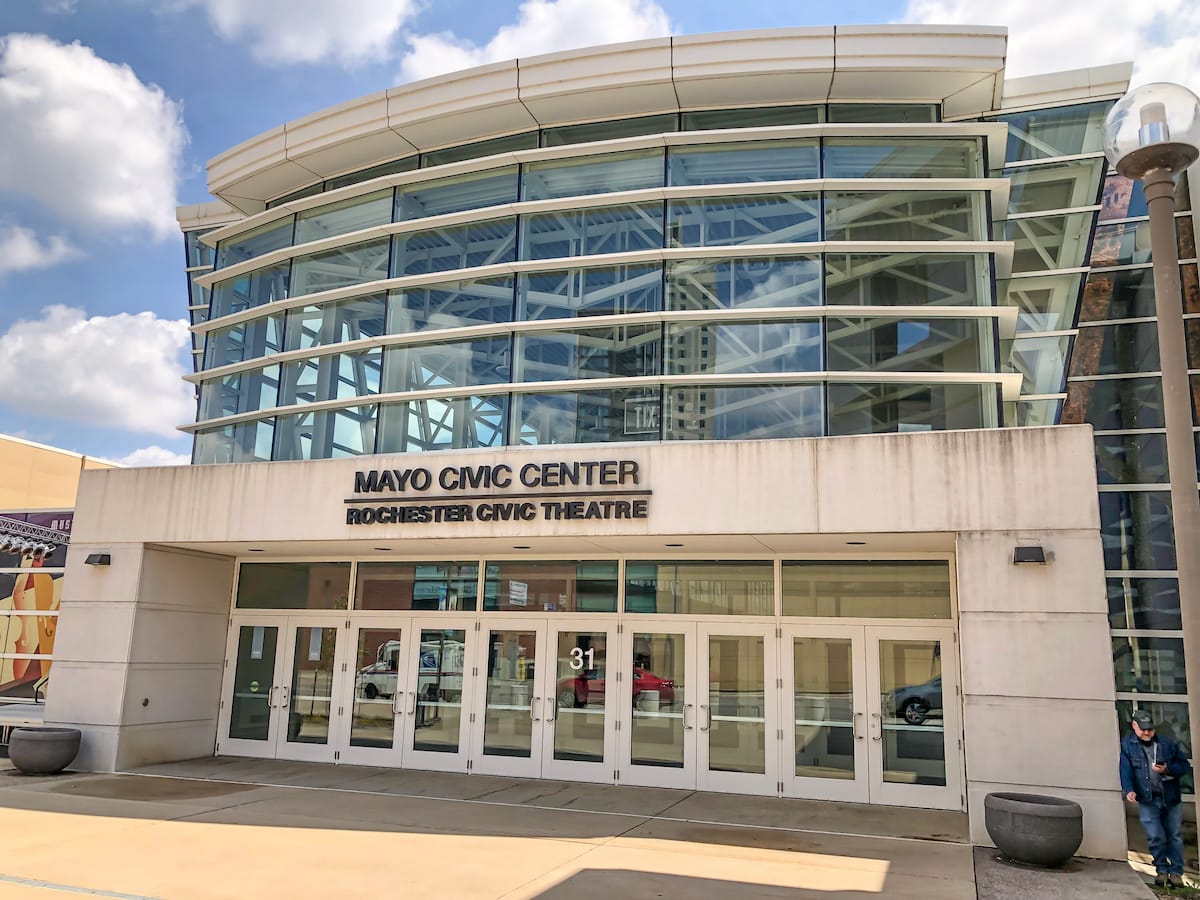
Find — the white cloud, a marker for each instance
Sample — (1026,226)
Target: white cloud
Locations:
(21,249)
(542,26)
(154,455)
(121,371)
(351,32)
(85,138)
(1162,37)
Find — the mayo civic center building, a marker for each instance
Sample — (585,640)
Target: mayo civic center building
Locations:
(771,413)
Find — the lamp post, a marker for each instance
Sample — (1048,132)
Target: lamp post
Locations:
(1151,135)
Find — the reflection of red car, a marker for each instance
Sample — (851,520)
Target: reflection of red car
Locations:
(589,686)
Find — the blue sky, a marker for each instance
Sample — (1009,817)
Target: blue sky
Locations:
(109,110)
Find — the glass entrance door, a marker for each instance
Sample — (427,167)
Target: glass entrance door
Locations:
(657,745)
(510,705)
(439,692)
(253,659)
(378,679)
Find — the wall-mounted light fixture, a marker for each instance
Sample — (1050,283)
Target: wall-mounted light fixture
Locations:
(98,559)
(1034,555)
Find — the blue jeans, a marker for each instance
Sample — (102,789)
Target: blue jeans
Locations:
(1164,834)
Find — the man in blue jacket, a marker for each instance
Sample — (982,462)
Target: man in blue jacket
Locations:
(1151,766)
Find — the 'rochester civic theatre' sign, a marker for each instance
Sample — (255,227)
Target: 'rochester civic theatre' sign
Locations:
(594,489)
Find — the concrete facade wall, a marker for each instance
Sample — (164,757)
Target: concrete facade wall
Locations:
(142,641)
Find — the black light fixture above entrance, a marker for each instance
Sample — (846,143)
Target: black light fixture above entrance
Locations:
(98,559)
(1032,555)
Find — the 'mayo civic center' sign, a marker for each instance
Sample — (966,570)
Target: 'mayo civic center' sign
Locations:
(593,489)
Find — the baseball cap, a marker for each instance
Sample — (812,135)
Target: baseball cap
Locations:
(1143,720)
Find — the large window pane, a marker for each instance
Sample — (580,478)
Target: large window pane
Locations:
(743,162)
(421,367)
(625,351)
(585,232)
(1170,720)
(1136,531)
(760,282)
(1043,302)
(744,412)
(457,247)
(1044,243)
(1150,603)
(337,376)
(1125,244)
(1114,404)
(608,131)
(450,195)
(762,117)
(1114,349)
(1131,459)
(244,442)
(1124,198)
(293,585)
(712,348)
(238,393)
(1042,362)
(562,586)
(586,417)
(600,291)
(332,269)
(420,586)
(700,588)
(910,345)
(906,279)
(198,254)
(450,305)
(1063,131)
(603,174)
(250,290)
(272,236)
(878,589)
(452,423)
(243,341)
(1149,665)
(760,219)
(326,434)
(883,112)
(342,218)
(407,164)
(904,216)
(1060,186)
(1118,295)
(526,140)
(899,158)
(335,323)
(1032,413)
(883,408)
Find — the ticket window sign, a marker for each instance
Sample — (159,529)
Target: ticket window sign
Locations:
(518,593)
(641,415)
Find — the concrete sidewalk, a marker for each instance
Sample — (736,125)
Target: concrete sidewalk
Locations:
(244,828)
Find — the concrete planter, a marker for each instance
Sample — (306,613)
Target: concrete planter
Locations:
(42,750)
(1034,829)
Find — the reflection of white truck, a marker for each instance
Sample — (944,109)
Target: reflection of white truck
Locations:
(439,671)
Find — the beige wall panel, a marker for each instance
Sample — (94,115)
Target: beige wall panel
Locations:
(1104,834)
(145,744)
(188,581)
(86,693)
(1072,581)
(166,693)
(92,632)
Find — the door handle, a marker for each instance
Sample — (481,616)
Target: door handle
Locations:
(879,721)
(271,698)
(283,700)
(412,702)
(686,726)
(854,726)
(396,698)
(532,717)
(707,717)
(551,708)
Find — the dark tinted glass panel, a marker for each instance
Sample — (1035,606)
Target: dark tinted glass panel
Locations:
(1125,199)
(584,232)
(331,269)
(335,323)
(1118,295)
(250,290)
(620,351)
(764,117)
(1060,186)
(883,112)
(897,158)
(450,305)
(422,586)
(452,423)
(342,218)
(322,585)
(326,434)
(400,165)
(1185,232)
(759,219)
(744,412)
(1063,131)
(337,376)
(586,417)
(1049,242)
(1043,302)
(456,247)
(1191,336)
(1115,404)
(608,131)
(450,195)
(244,442)
(910,345)
(700,588)
(759,282)
(1150,603)
(876,589)
(239,393)
(711,348)
(581,175)
(527,140)
(600,291)
(732,163)
(882,408)
(1135,529)
(1113,349)
(310,191)
(906,279)
(904,216)
(566,586)
(1149,665)
(422,367)
(1131,458)
(1126,244)
(243,341)
(272,236)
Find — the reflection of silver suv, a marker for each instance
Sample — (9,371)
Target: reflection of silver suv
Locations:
(914,702)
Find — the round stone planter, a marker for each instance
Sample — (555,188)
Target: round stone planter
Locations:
(1034,829)
(42,750)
